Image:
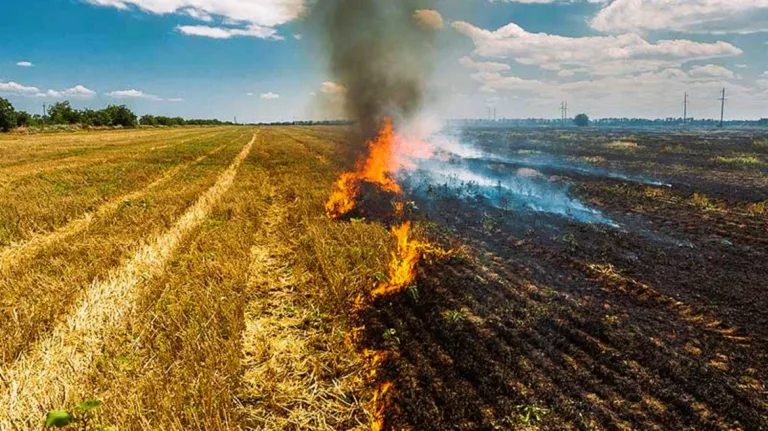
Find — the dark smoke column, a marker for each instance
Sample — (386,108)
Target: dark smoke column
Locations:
(382,52)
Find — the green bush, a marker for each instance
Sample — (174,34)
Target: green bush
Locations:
(7,115)
(581,120)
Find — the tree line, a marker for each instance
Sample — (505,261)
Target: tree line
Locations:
(62,113)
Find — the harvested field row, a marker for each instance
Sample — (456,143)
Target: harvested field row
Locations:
(30,292)
(44,202)
(26,150)
(52,371)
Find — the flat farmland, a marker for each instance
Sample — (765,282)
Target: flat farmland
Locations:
(168,275)
(191,278)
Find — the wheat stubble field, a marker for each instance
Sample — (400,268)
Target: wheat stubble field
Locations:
(173,276)
(192,279)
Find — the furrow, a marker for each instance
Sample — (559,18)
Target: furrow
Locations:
(50,374)
(13,254)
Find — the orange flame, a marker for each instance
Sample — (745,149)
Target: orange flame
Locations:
(377,168)
(377,423)
(402,268)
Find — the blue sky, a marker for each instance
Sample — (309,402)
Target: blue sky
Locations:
(255,59)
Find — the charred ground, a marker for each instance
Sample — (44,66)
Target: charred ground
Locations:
(538,321)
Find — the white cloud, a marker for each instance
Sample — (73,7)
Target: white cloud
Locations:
(133,94)
(256,17)
(78,91)
(741,66)
(228,32)
(329,87)
(269,96)
(24,64)
(650,94)
(50,93)
(601,55)
(198,14)
(249,94)
(695,16)
(712,70)
(176,99)
(483,66)
(16,88)
(298,36)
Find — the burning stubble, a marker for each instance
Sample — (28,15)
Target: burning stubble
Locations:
(382,53)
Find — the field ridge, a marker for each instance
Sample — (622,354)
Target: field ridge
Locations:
(14,253)
(50,374)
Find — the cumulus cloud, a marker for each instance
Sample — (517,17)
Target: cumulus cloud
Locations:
(254,18)
(24,64)
(650,94)
(78,91)
(18,89)
(229,32)
(329,87)
(269,96)
(138,94)
(428,18)
(693,16)
(712,70)
(601,55)
(483,66)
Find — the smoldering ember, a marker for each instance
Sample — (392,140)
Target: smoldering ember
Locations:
(383,215)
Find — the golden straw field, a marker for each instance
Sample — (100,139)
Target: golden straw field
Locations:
(184,278)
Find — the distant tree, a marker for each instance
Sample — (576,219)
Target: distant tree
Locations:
(23,119)
(7,115)
(98,118)
(763,122)
(121,116)
(63,113)
(581,120)
(148,120)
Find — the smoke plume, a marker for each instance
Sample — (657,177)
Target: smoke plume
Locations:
(381,52)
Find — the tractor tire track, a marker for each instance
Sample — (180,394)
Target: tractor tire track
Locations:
(12,255)
(49,376)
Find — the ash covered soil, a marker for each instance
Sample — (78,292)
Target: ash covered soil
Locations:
(540,321)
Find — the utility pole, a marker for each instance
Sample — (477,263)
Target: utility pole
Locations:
(494,113)
(45,114)
(722,108)
(685,109)
(564,112)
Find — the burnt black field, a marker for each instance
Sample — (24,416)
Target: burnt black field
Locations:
(604,280)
